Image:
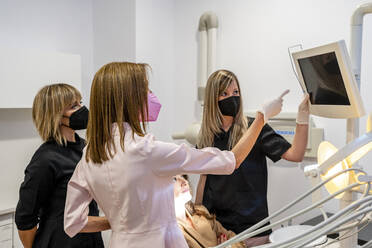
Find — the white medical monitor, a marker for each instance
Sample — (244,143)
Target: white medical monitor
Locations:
(325,72)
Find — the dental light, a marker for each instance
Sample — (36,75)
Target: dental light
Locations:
(332,161)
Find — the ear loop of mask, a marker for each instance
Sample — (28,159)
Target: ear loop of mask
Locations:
(62,124)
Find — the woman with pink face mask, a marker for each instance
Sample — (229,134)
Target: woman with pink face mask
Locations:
(128,172)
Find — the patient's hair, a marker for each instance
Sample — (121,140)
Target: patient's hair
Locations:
(48,107)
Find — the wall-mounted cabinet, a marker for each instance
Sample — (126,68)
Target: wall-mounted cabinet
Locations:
(24,71)
(6,228)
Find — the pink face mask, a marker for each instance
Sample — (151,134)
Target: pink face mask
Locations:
(154,107)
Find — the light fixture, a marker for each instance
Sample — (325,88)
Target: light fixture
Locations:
(332,161)
(325,151)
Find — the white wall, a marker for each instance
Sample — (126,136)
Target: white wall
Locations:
(63,26)
(155,42)
(113,31)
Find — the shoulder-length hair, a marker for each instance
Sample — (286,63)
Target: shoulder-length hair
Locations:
(211,125)
(118,94)
(48,107)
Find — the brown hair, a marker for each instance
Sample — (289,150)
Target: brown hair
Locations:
(118,94)
(194,210)
(211,125)
(48,107)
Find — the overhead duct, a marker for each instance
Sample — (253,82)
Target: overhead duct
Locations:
(208,24)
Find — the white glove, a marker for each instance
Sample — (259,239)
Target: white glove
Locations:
(272,108)
(303,111)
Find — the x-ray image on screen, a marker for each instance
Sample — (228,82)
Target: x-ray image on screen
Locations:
(323,80)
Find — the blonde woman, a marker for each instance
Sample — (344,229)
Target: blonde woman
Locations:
(57,112)
(128,172)
(239,200)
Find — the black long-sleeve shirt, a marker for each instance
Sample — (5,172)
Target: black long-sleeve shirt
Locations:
(43,192)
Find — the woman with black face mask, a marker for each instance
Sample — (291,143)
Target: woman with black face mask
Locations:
(239,200)
(57,113)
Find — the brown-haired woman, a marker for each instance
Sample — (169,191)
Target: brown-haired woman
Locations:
(199,227)
(128,172)
(57,113)
(239,200)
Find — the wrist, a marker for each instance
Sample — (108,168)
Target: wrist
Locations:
(302,118)
(260,116)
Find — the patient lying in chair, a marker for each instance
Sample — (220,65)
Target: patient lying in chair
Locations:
(200,228)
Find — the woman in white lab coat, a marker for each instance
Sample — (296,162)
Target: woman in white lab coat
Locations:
(128,172)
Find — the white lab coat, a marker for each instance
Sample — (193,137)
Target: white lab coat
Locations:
(135,189)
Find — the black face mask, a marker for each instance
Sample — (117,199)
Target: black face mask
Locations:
(229,106)
(79,119)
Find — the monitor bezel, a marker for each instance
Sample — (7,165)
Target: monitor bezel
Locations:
(356,108)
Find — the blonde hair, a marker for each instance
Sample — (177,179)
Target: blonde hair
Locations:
(211,125)
(48,107)
(118,94)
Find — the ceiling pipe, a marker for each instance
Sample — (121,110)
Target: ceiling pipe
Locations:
(208,24)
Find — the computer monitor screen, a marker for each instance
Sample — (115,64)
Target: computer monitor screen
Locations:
(323,79)
(325,73)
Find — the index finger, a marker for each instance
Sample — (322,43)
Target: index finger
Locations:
(284,93)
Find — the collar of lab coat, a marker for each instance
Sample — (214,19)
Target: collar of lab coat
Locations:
(115,128)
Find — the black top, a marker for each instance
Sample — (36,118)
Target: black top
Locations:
(239,200)
(42,196)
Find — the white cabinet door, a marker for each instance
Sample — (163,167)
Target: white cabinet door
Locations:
(6,219)
(6,244)
(24,71)
(6,236)
(6,232)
